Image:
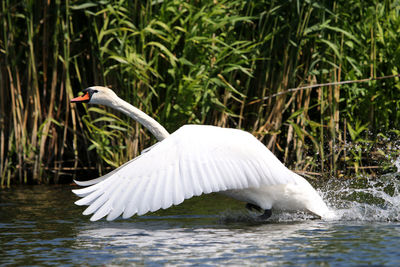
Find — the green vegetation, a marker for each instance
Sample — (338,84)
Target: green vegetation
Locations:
(212,62)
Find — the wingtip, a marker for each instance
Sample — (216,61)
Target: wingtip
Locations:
(76,192)
(89,182)
(80,202)
(94,219)
(80,183)
(79,192)
(97,216)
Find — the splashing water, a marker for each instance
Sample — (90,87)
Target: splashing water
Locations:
(358,199)
(365,199)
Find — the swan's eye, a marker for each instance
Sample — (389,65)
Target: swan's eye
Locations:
(95,91)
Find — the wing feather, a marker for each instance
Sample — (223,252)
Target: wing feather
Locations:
(118,201)
(103,198)
(121,203)
(186,179)
(133,204)
(96,204)
(166,200)
(178,196)
(213,170)
(142,199)
(197,189)
(205,184)
(89,199)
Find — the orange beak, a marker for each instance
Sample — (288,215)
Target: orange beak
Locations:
(83,98)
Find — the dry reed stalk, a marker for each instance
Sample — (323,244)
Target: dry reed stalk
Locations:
(222,121)
(3,165)
(289,140)
(23,112)
(33,94)
(275,117)
(16,122)
(48,127)
(298,143)
(321,106)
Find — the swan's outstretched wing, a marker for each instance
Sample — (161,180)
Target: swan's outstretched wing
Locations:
(192,161)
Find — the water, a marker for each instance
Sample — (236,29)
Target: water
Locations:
(39,225)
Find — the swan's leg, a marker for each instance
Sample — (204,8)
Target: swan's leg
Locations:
(252,207)
(266,215)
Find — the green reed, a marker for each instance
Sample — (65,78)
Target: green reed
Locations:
(210,62)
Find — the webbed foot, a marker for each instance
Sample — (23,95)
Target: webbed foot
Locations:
(252,207)
(266,215)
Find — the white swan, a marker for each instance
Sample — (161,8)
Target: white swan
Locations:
(195,159)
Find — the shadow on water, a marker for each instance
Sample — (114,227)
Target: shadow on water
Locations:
(39,225)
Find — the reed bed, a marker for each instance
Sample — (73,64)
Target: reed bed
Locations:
(225,63)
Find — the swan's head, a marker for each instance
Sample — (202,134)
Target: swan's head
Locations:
(96,95)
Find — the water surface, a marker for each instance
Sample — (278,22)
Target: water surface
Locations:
(40,225)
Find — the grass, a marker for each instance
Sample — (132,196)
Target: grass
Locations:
(224,63)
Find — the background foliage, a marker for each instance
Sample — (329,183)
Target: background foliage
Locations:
(212,62)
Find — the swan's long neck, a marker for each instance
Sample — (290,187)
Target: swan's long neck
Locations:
(151,124)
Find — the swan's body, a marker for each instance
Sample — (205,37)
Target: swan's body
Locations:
(195,159)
